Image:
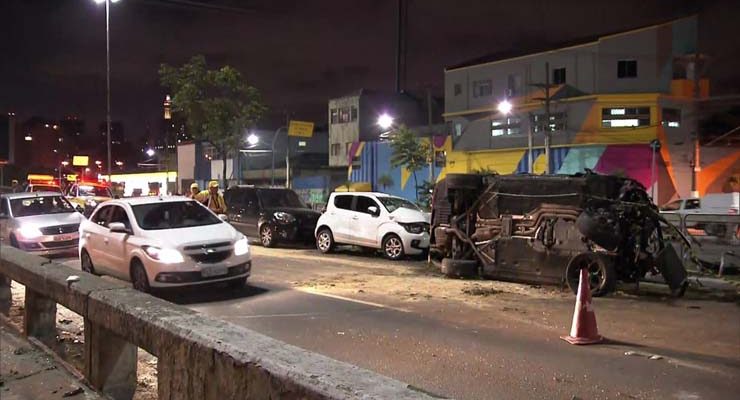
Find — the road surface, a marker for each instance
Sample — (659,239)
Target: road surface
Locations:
(501,345)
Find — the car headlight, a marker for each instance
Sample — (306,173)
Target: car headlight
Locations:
(166,256)
(29,231)
(284,217)
(241,247)
(416,227)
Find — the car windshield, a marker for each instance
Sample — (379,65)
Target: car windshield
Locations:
(394,203)
(173,215)
(280,198)
(97,191)
(44,205)
(46,188)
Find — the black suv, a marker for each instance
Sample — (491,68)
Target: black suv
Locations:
(271,214)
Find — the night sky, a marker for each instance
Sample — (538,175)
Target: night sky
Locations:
(299,53)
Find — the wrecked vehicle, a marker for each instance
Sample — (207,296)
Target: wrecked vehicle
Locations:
(546,228)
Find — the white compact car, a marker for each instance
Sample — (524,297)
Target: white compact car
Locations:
(373,220)
(42,223)
(157,242)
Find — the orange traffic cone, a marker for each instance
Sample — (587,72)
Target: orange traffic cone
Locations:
(584,329)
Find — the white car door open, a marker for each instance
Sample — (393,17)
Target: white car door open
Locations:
(115,246)
(365,221)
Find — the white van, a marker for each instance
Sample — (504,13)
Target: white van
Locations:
(713,203)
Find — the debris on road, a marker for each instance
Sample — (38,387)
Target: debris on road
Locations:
(74,392)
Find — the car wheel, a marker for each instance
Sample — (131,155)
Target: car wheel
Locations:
(139,278)
(392,247)
(14,242)
(267,236)
(453,268)
(602,279)
(86,263)
(325,241)
(238,284)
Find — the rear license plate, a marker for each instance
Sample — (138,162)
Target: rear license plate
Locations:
(61,238)
(213,271)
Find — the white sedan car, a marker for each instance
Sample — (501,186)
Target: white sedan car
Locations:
(159,242)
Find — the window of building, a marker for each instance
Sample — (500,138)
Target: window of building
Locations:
(625,117)
(458,129)
(440,158)
(514,85)
(558,76)
(672,117)
(627,69)
(344,115)
(506,126)
(482,88)
(457,89)
(353,111)
(335,148)
(334,116)
(347,147)
(302,143)
(558,122)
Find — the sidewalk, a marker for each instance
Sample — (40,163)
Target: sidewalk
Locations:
(27,373)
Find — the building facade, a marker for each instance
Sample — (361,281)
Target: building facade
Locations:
(624,103)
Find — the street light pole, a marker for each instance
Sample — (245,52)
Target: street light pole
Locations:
(107,58)
(272,150)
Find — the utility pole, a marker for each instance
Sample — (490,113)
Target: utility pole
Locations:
(696,158)
(287,150)
(530,169)
(107,82)
(547,117)
(432,154)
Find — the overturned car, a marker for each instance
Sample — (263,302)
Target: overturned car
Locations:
(546,228)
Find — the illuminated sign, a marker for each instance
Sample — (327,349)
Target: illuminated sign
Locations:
(80,161)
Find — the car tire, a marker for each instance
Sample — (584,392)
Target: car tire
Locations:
(602,276)
(14,242)
(86,263)
(237,284)
(267,236)
(453,268)
(139,279)
(392,247)
(463,181)
(325,241)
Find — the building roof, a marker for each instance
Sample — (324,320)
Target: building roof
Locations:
(518,52)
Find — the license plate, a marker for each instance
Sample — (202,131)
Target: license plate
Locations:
(61,238)
(213,271)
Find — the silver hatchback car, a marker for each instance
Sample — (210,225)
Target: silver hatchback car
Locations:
(43,223)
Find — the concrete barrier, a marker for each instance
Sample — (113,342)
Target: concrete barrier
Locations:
(198,357)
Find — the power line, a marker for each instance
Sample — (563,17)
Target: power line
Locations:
(209,6)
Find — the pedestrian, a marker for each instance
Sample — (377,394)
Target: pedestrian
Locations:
(212,199)
(194,191)
(15,186)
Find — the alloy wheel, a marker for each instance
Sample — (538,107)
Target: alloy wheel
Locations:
(324,241)
(393,247)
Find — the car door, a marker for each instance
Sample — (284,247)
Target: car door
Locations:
(364,223)
(94,233)
(251,214)
(115,243)
(339,216)
(4,220)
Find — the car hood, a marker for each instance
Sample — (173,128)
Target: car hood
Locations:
(176,238)
(296,212)
(407,215)
(51,219)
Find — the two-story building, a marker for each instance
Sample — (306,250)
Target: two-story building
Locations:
(610,97)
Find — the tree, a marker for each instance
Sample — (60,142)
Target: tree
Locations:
(385,180)
(218,105)
(409,152)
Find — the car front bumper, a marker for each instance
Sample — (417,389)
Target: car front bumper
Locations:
(415,244)
(164,277)
(50,244)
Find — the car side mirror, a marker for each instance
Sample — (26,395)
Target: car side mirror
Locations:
(224,217)
(373,210)
(118,227)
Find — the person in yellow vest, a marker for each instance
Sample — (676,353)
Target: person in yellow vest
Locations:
(212,199)
(194,191)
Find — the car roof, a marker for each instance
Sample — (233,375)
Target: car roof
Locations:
(135,201)
(376,194)
(28,195)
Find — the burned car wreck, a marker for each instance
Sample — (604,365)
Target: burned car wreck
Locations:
(546,228)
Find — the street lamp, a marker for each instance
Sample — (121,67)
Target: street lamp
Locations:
(253,139)
(504,107)
(64,164)
(385,121)
(107,75)
(150,152)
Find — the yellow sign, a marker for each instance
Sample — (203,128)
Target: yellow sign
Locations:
(80,161)
(300,128)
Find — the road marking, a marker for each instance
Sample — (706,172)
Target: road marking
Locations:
(337,297)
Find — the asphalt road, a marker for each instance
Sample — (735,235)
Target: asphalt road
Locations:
(451,350)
